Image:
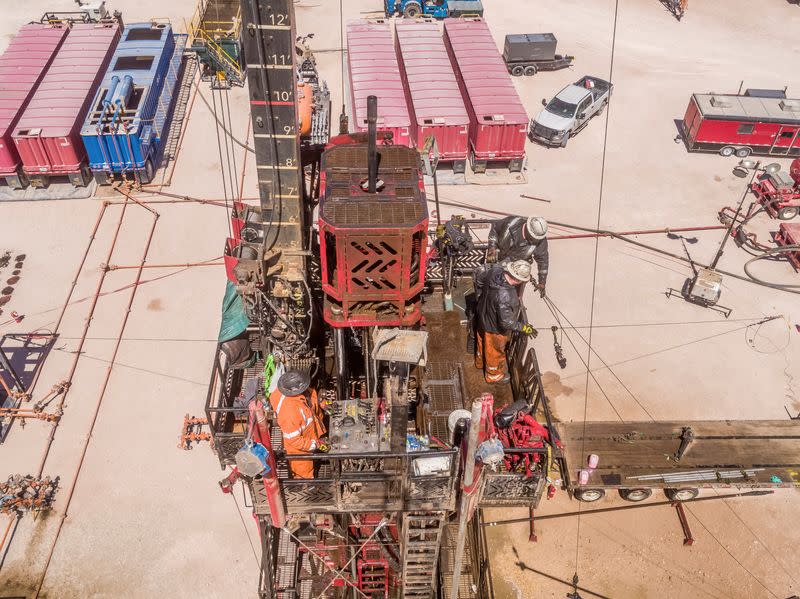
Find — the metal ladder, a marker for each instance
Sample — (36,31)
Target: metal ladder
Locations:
(422,537)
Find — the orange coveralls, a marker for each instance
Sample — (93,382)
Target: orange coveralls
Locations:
(300,419)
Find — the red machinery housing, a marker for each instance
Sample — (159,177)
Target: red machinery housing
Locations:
(757,122)
(372,245)
(779,192)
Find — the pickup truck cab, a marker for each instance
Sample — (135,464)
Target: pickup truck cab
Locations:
(570,111)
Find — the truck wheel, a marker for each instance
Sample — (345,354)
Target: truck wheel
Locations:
(518,70)
(682,494)
(531,70)
(589,495)
(602,108)
(635,494)
(743,152)
(787,212)
(412,9)
(727,151)
(564,141)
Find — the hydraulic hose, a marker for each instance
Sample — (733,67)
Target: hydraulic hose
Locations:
(767,254)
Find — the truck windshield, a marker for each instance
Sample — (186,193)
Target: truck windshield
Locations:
(561,108)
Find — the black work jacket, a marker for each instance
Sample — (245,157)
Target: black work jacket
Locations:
(498,301)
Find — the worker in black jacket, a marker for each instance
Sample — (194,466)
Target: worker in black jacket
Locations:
(517,238)
(498,315)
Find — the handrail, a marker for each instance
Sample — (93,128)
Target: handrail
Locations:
(220,54)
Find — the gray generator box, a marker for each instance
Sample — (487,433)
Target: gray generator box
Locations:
(528,47)
(461,8)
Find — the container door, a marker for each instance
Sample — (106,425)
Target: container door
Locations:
(787,139)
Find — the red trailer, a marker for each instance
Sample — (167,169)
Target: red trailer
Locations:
(498,121)
(22,67)
(47,135)
(374,72)
(763,122)
(434,99)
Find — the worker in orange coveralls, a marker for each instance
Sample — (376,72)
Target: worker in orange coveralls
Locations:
(299,415)
(498,316)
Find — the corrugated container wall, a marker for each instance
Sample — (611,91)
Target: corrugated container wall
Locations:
(22,67)
(374,72)
(48,134)
(124,126)
(499,122)
(434,99)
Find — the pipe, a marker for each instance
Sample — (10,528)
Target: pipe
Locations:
(97,407)
(187,265)
(756,493)
(467,489)
(340,357)
(79,349)
(272,485)
(372,150)
(640,232)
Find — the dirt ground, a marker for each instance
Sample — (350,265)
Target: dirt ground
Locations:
(148,520)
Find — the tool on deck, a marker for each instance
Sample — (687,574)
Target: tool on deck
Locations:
(687,438)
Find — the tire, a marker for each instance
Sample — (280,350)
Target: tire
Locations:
(564,141)
(681,494)
(601,109)
(788,212)
(589,495)
(412,10)
(148,173)
(727,151)
(635,495)
(531,70)
(743,152)
(518,70)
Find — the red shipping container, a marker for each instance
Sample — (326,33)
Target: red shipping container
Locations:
(22,67)
(499,123)
(743,124)
(47,135)
(374,72)
(434,99)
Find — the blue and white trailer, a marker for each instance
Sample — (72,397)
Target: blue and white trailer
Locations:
(125,130)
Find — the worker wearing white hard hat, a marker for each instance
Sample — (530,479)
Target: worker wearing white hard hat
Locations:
(518,238)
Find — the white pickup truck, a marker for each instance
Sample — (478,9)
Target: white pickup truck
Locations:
(570,111)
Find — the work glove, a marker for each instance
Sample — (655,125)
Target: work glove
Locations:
(541,288)
(323,446)
(529,330)
(491,255)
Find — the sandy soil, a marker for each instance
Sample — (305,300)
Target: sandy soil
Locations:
(147,520)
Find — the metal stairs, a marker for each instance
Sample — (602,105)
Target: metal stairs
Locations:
(422,537)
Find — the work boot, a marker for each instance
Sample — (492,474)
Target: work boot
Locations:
(503,381)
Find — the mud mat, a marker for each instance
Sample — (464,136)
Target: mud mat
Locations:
(54,191)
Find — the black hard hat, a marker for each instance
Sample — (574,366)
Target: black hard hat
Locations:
(293,382)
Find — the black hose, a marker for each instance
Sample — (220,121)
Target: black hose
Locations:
(220,123)
(767,254)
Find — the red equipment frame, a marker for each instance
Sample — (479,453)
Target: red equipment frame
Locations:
(789,234)
(373,246)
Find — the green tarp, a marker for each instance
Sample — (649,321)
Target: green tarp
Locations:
(234,319)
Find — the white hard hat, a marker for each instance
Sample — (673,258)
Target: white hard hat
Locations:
(519,269)
(536,227)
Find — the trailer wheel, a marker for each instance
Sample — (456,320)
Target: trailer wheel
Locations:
(682,494)
(531,70)
(412,9)
(148,173)
(727,151)
(589,495)
(518,70)
(787,212)
(635,494)
(743,152)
